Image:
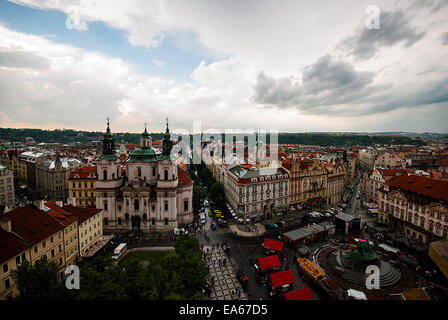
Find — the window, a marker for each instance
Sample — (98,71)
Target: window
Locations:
(153,171)
(44,244)
(105,205)
(7,284)
(166,206)
(139,172)
(186,205)
(52,238)
(166,221)
(104,174)
(5,267)
(136,204)
(153,221)
(35,249)
(165,174)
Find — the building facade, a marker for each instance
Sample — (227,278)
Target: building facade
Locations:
(7,196)
(52,178)
(253,191)
(416,206)
(154,194)
(81,187)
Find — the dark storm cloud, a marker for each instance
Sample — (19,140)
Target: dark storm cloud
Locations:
(326,82)
(433,5)
(22,59)
(335,87)
(394,29)
(444,38)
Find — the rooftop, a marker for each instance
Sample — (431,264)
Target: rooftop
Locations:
(33,224)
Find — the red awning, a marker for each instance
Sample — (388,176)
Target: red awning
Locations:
(281,278)
(301,294)
(273,244)
(269,262)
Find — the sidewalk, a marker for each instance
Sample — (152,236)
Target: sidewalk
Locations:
(224,277)
(260,230)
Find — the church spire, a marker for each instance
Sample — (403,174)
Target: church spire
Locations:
(108,141)
(167,143)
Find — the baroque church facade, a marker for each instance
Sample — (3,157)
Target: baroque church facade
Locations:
(153,194)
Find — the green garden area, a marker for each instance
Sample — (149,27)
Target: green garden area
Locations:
(175,275)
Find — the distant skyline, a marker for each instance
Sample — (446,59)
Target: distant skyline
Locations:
(294,66)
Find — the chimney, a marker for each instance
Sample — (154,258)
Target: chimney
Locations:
(5,223)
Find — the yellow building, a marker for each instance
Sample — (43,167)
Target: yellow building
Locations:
(81,186)
(335,183)
(90,227)
(313,184)
(70,233)
(42,233)
(14,251)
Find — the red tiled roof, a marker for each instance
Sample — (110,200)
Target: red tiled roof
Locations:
(82,213)
(437,189)
(269,262)
(63,216)
(301,294)
(10,246)
(184,179)
(83,172)
(281,278)
(32,224)
(273,244)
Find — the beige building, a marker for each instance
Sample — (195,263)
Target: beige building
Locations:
(52,178)
(256,191)
(416,206)
(70,232)
(13,252)
(90,226)
(336,182)
(42,233)
(7,196)
(81,187)
(28,162)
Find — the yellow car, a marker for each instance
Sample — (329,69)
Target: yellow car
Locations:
(217,211)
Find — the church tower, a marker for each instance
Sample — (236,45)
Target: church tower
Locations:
(109,178)
(167,143)
(145,139)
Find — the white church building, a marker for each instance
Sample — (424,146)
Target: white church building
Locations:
(153,195)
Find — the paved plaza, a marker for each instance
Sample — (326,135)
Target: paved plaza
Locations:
(225,281)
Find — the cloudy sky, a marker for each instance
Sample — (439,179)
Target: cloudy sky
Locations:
(290,65)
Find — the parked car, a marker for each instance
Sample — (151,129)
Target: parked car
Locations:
(180,231)
(272,226)
(281,224)
(222,223)
(213,225)
(327,214)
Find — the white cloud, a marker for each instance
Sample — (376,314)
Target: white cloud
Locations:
(158,63)
(44,81)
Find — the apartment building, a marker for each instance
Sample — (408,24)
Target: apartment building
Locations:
(13,252)
(42,233)
(70,232)
(416,206)
(52,177)
(81,187)
(7,196)
(90,226)
(257,191)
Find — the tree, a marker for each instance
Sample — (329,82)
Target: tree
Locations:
(39,281)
